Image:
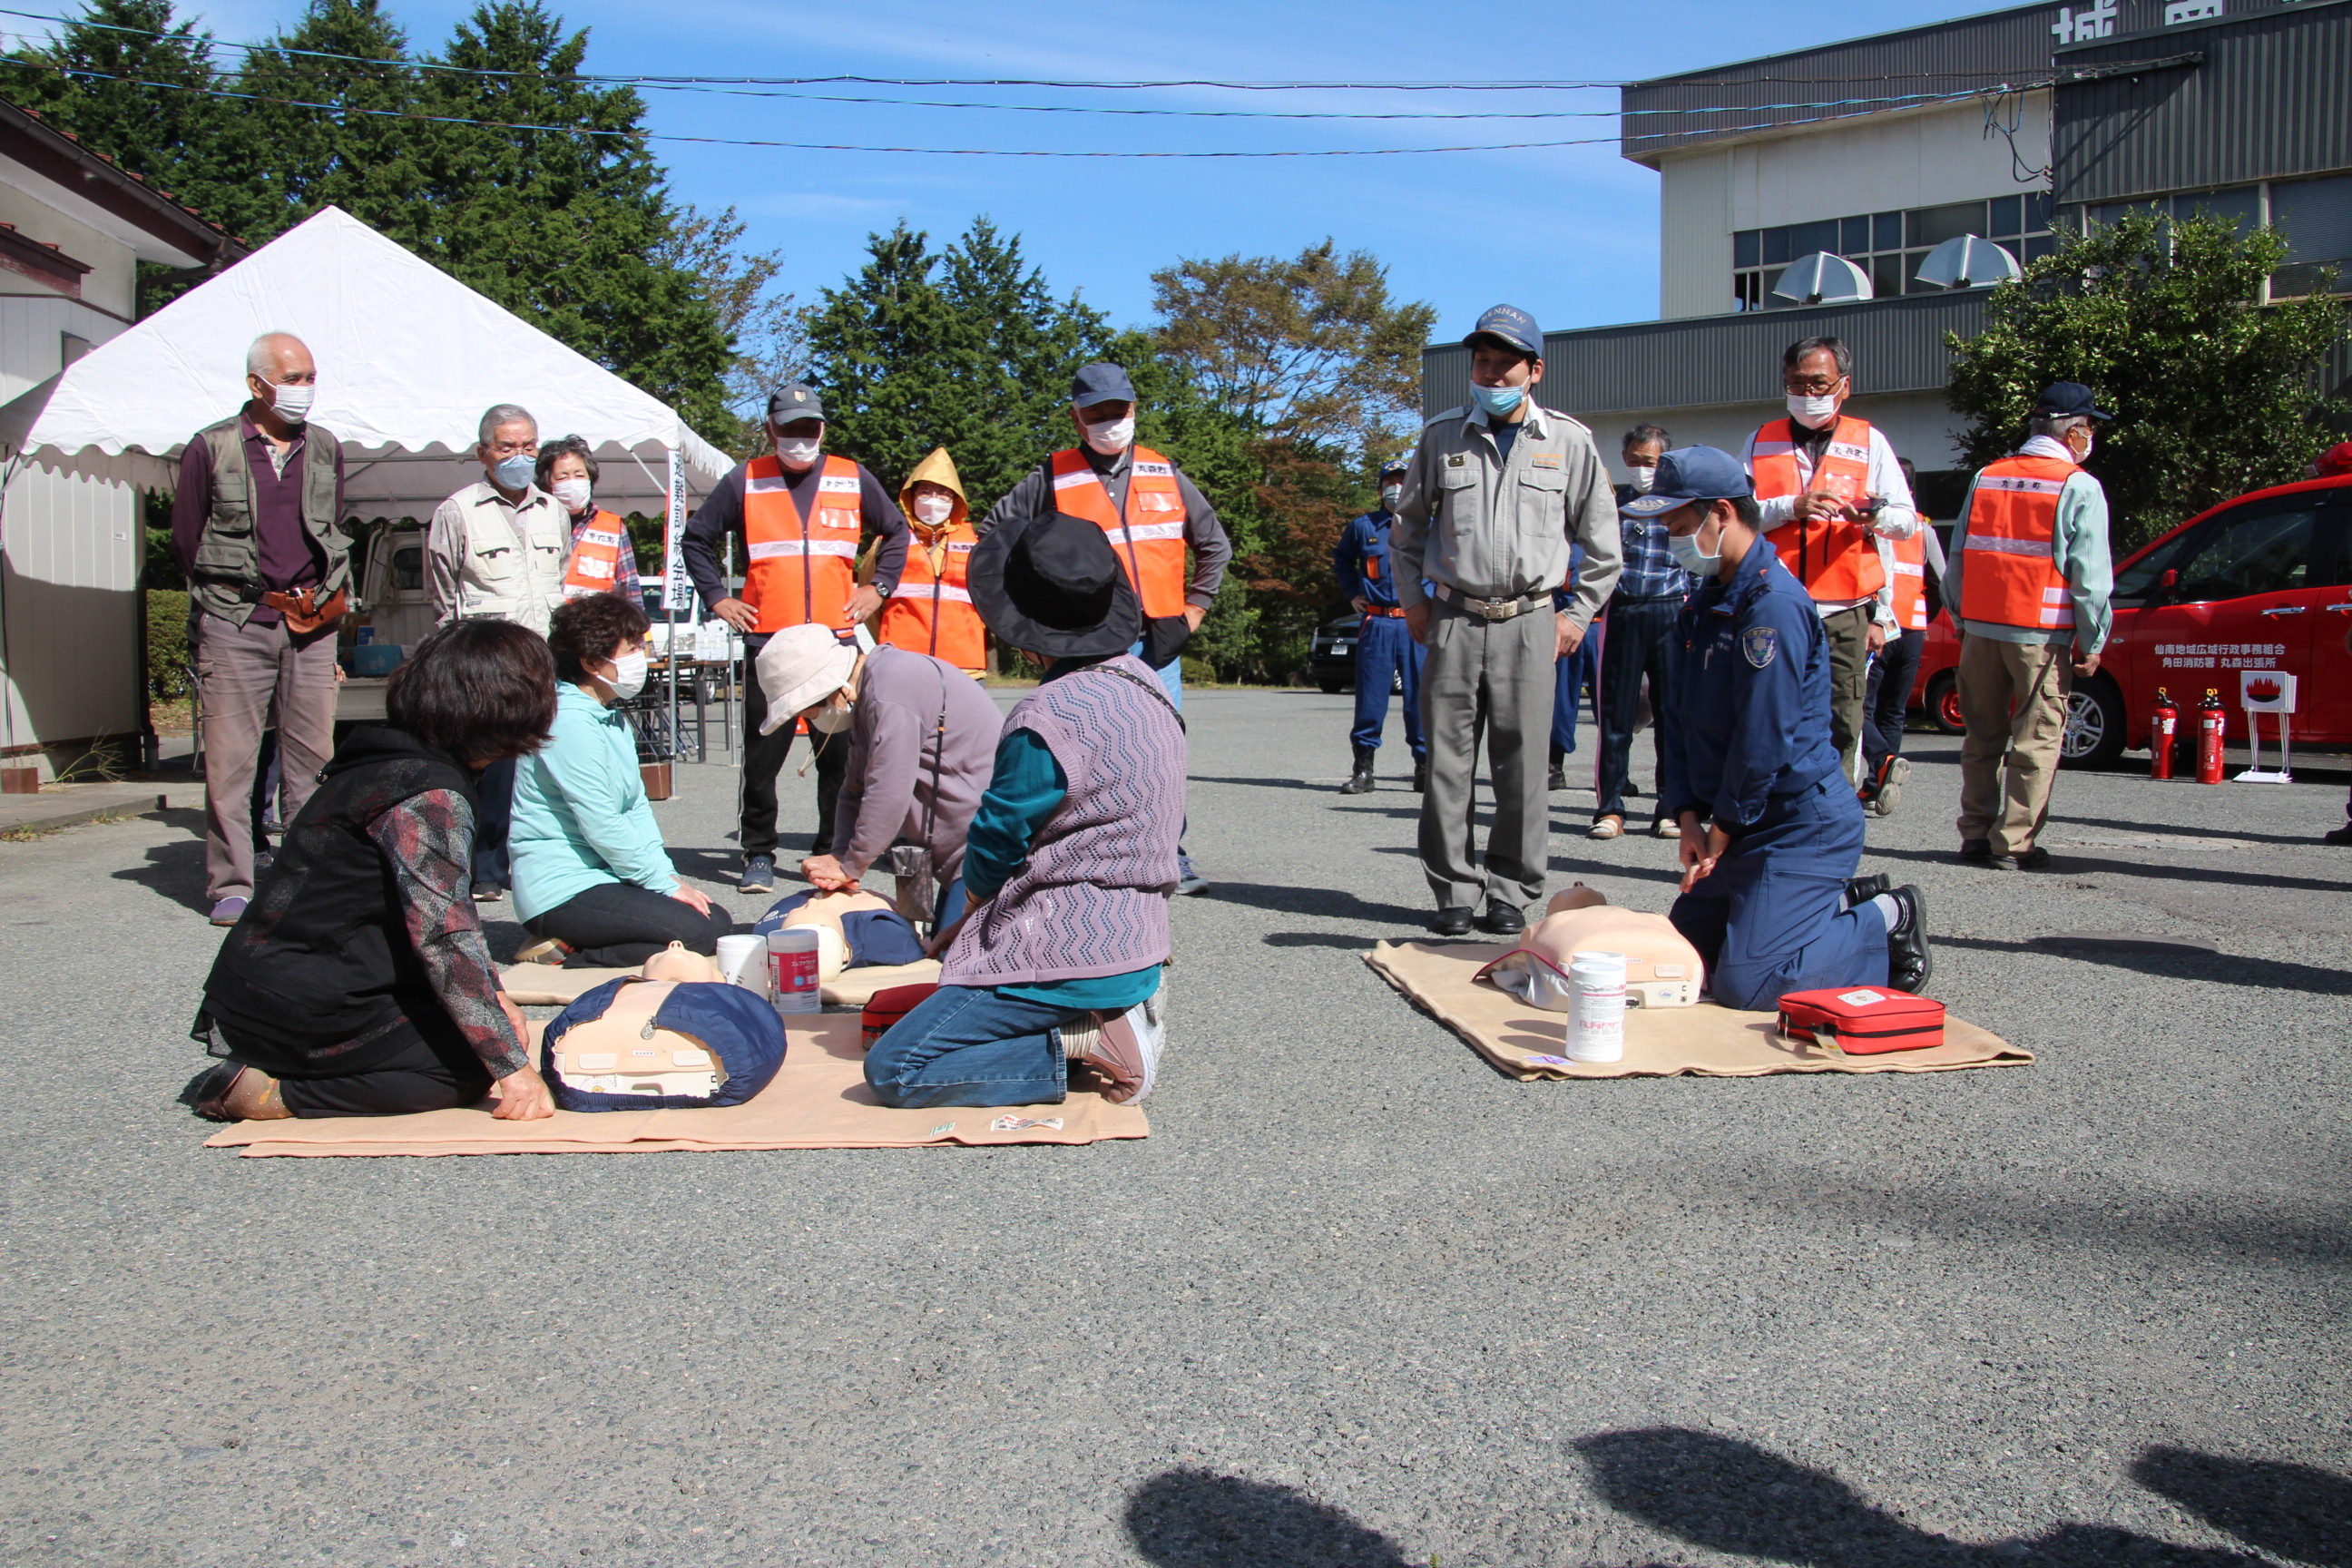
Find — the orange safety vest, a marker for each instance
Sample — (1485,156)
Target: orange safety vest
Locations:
(930,610)
(800,571)
(1911,580)
(1149,538)
(596,547)
(2009,567)
(1836,561)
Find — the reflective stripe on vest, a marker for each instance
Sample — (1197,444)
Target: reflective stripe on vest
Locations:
(1910,586)
(1836,561)
(930,610)
(1149,538)
(2010,574)
(595,556)
(800,572)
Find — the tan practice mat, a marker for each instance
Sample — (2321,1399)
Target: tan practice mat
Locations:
(1705,1041)
(818,1100)
(550,986)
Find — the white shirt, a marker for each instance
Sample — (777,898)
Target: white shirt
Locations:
(1896,517)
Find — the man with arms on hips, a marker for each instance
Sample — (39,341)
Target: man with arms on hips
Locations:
(922,736)
(1498,493)
(1772,832)
(1384,650)
(1832,496)
(496,550)
(256,525)
(2027,582)
(800,514)
(1635,641)
(1152,512)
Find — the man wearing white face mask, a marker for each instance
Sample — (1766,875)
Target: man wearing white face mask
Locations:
(1833,495)
(592,879)
(1385,652)
(256,524)
(1153,515)
(496,551)
(799,515)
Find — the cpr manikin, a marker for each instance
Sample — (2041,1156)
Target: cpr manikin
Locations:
(1662,970)
(623,1053)
(823,913)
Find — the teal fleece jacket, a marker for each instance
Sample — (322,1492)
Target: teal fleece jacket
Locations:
(581,816)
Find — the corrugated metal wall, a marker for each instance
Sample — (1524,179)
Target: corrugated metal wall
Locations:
(1700,362)
(2273,99)
(68,620)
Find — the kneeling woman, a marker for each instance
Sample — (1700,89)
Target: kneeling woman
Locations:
(591,876)
(1053,972)
(357,983)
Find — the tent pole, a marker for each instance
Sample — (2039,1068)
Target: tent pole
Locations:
(675,586)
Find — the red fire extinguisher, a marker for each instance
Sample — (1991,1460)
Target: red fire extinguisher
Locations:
(2209,737)
(2163,728)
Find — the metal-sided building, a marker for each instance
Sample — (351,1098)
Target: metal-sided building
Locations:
(2012,126)
(74,227)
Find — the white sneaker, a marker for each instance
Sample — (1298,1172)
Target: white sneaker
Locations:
(1607,827)
(1128,1052)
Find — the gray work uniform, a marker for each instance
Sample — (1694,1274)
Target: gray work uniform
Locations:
(1492,535)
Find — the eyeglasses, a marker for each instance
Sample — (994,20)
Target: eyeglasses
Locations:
(1818,386)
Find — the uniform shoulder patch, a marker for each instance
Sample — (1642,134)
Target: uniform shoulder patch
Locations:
(1760,644)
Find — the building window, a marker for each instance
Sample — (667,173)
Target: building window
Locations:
(2315,217)
(1888,245)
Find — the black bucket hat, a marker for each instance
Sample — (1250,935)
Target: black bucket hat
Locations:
(1052,585)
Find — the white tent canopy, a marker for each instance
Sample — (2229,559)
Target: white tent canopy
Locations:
(408,359)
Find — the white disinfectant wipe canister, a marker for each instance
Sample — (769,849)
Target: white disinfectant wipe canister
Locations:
(743,961)
(793,970)
(1596,1014)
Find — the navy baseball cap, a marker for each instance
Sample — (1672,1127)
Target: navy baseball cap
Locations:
(1511,324)
(1693,473)
(1395,466)
(1101,384)
(2066,397)
(796,400)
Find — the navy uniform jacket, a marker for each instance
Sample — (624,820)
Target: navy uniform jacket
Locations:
(1748,714)
(1362,562)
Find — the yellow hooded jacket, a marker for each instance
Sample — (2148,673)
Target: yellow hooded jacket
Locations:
(930,611)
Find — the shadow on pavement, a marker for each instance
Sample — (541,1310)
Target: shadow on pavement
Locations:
(175,870)
(1733,1497)
(2166,829)
(1329,903)
(2295,1511)
(2078,863)
(2176,963)
(1197,1519)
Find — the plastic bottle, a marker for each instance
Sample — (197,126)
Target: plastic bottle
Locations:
(1596,1014)
(793,970)
(2210,721)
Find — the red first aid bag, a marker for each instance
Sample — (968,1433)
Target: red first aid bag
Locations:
(888,1007)
(1863,1020)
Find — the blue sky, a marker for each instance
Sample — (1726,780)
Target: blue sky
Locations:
(1570,234)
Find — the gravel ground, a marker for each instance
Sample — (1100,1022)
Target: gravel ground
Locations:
(1358,1299)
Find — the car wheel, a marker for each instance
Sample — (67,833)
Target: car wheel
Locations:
(1330,687)
(2094,726)
(1944,704)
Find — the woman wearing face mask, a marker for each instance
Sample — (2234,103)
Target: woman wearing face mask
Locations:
(930,612)
(591,877)
(603,559)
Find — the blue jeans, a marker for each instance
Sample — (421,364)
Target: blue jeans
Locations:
(1766,922)
(1571,677)
(966,1045)
(1383,647)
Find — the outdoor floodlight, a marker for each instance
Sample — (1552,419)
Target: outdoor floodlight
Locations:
(1967,262)
(1821,278)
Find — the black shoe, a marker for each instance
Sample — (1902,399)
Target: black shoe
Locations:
(1452,922)
(1558,779)
(1502,919)
(758,874)
(1360,780)
(2034,860)
(1862,890)
(2341,837)
(1908,965)
(1190,883)
(1421,776)
(1976,849)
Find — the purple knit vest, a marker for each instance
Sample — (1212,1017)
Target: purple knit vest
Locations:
(1093,899)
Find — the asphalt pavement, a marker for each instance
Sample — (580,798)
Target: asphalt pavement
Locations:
(1358,1299)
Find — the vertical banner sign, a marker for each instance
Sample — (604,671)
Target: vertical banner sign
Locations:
(678,588)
